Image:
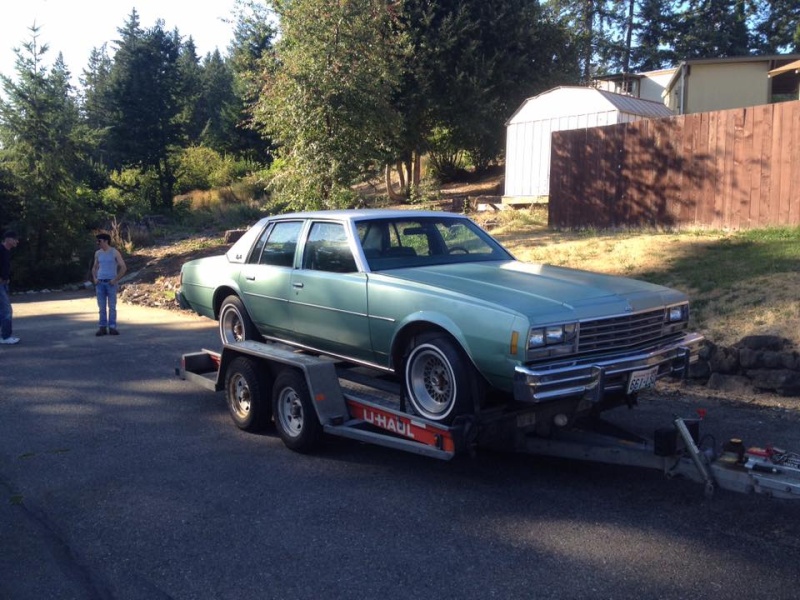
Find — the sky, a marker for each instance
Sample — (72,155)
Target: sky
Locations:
(74,27)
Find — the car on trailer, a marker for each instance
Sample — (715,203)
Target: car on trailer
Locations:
(433,300)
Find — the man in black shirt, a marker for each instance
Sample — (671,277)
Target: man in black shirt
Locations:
(10,240)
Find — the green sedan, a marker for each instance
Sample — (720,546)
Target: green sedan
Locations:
(431,298)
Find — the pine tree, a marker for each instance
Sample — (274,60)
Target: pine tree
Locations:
(144,91)
(42,155)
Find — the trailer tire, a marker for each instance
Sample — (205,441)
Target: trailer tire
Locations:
(440,381)
(246,392)
(295,416)
(235,324)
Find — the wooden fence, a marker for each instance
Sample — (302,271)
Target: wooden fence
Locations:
(731,169)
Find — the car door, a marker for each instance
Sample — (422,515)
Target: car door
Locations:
(329,295)
(265,280)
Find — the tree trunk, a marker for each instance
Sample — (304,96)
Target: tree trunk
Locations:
(402,176)
(393,196)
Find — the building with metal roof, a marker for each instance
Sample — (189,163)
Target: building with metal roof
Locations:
(529,129)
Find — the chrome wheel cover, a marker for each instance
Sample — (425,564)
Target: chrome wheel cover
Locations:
(431,382)
(231,325)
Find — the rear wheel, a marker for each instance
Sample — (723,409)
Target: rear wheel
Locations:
(234,322)
(246,394)
(295,416)
(440,381)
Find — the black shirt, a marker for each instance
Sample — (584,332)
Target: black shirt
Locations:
(5,263)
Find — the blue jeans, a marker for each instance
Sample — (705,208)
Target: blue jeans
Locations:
(107,303)
(5,311)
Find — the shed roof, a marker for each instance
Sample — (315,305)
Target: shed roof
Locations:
(594,100)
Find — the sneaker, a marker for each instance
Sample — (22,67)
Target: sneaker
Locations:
(9,340)
(101,331)
(113,331)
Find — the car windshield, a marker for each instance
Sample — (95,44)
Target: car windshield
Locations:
(398,243)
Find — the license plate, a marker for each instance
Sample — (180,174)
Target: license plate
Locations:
(642,379)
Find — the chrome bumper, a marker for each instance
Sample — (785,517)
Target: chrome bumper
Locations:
(595,376)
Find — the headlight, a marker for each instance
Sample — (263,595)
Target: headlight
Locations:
(678,313)
(551,335)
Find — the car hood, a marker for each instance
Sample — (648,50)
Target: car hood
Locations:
(542,292)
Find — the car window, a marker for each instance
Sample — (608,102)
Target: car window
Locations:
(410,235)
(459,239)
(277,245)
(327,249)
(403,242)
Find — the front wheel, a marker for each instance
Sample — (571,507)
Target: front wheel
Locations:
(440,381)
(246,394)
(234,322)
(295,416)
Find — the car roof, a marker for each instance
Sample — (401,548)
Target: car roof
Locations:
(364,213)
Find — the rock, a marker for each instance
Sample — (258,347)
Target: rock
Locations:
(781,381)
(724,360)
(772,360)
(699,370)
(750,359)
(791,361)
(764,342)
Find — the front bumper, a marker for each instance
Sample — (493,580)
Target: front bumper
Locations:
(594,376)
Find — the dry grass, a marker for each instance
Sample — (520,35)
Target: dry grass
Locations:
(755,302)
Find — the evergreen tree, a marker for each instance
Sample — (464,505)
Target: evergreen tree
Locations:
(41,153)
(190,96)
(250,52)
(468,65)
(219,106)
(776,26)
(652,27)
(711,29)
(144,89)
(97,115)
(580,18)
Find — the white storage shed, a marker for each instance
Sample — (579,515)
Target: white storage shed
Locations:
(528,132)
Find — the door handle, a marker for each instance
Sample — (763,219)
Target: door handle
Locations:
(250,277)
(297,284)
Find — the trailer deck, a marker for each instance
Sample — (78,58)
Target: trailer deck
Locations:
(312,395)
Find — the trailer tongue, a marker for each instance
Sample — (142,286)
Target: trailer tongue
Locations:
(309,395)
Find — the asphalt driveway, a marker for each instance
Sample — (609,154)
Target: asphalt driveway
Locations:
(119,480)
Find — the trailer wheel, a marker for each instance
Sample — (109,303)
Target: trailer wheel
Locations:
(234,322)
(246,394)
(295,417)
(440,381)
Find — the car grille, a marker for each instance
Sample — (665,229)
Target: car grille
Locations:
(627,331)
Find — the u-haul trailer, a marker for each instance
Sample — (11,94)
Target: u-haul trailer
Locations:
(308,396)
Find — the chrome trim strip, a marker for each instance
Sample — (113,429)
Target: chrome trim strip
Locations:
(329,308)
(379,318)
(265,297)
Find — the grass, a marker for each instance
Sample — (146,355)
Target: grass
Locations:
(740,283)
